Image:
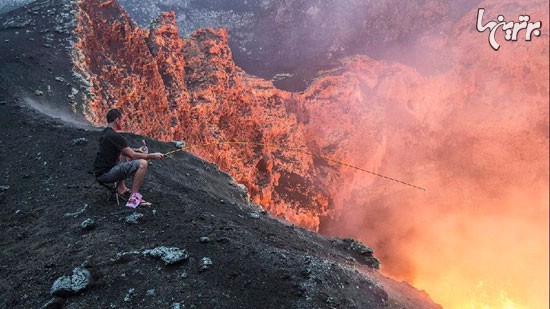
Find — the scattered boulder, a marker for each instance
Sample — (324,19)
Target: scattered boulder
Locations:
(255,215)
(134,218)
(205,239)
(206,262)
(364,251)
(179,144)
(359,247)
(39,93)
(170,255)
(74,92)
(88,224)
(129,294)
(242,188)
(67,286)
(79,141)
(151,293)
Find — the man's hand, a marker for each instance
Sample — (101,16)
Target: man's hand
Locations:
(134,155)
(156,156)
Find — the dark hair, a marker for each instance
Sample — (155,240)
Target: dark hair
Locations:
(113,115)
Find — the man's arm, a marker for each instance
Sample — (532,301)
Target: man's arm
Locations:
(129,152)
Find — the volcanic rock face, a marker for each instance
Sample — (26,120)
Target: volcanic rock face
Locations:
(113,75)
(290,41)
(171,88)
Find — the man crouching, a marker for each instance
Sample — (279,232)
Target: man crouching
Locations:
(107,168)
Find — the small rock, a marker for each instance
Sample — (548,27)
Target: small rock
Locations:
(184,275)
(78,212)
(79,141)
(242,188)
(124,257)
(129,294)
(67,286)
(38,93)
(363,250)
(255,215)
(205,263)
(330,300)
(134,218)
(179,144)
(59,79)
(205,239)
(168,255)
(88,224)
(359,247)
(176,306)
(150,292)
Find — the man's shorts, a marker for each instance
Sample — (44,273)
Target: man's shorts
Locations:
(119,172)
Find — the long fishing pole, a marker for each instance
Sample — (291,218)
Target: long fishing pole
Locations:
(299,151)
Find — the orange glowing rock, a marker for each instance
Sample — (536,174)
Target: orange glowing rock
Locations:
(191,90)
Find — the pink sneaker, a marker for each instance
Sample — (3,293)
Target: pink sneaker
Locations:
(134,200)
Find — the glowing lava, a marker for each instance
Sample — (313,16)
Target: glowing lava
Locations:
(477,138)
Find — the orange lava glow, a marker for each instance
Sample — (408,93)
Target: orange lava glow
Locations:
(477,138)
(474,258)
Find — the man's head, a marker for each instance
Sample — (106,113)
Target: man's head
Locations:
(114,118)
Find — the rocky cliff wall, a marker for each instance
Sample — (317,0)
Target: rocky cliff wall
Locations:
(170,88)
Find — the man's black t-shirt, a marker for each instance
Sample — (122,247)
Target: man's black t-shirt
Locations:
(110,145)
